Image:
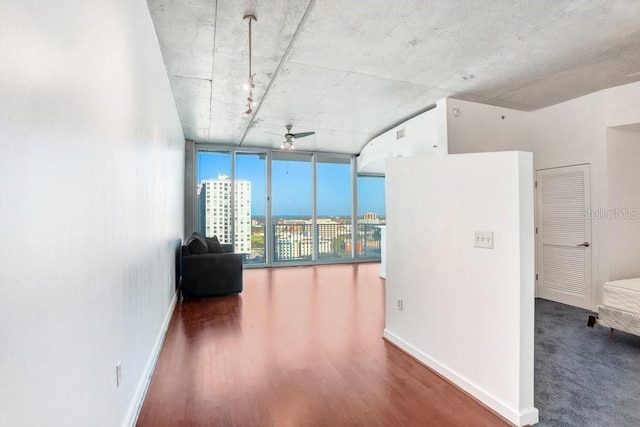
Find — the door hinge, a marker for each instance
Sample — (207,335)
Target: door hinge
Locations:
(536,184)
(536,276)
(536,230)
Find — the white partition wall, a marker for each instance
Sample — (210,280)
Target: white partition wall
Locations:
(467,311)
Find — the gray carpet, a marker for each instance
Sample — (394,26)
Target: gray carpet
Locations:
(582,377)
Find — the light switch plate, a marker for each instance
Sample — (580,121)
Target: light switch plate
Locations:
(483,239)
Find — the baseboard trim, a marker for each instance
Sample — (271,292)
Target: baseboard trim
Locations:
(143,386)
(522,418)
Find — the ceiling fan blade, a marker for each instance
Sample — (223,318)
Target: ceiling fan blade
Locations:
(279,134)
(302,134)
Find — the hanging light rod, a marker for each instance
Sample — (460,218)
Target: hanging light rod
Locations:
(249,85)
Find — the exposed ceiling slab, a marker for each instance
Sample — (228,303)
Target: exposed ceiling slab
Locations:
(348,70)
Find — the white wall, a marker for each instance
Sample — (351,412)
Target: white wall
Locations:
(482,128)
(569,133)
(91,200)
(621,105)
(573,133)
(468,312)
(623,154)
(425,134)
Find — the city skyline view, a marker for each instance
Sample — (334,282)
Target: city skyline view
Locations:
(234,210)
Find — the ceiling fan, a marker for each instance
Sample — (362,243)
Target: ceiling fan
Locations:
(289,138)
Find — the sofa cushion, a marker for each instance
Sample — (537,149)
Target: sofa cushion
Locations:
(214,246)
(197,244)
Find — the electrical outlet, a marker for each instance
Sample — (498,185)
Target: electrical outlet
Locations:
(483,239)
(399,304)
(118,373)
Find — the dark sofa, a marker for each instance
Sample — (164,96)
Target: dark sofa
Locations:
(209,268)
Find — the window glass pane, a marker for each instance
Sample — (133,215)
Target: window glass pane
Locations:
(291,207)
(251,201)
(371,214)
(333,201)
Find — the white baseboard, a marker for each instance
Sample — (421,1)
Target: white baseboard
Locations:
(143,386)
(521,418)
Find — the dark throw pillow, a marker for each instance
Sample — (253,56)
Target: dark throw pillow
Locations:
(214,245)
(197,244)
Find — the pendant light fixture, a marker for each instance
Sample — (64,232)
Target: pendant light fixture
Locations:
(248,86)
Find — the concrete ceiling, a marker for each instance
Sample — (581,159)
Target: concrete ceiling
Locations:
(348,69)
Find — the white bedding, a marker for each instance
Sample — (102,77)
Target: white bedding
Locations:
(622,295)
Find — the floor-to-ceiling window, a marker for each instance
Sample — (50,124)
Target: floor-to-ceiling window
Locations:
(292,206)
(371,214)
(251,184)
(334,201)
(284,207)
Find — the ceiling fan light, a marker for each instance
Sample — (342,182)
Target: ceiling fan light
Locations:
(254,103)
(246,87)
(287,144)
(246,113)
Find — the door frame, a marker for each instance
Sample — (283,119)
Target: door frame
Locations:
(592,286)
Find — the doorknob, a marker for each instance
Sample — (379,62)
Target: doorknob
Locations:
(585,244)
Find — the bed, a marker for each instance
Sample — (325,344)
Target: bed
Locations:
(620,309)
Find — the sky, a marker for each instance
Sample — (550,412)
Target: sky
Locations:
(292,185)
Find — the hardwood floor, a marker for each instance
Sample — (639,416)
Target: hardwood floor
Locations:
(299,347)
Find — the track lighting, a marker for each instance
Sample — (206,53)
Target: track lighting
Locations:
(249,85)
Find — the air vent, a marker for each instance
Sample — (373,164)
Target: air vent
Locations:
(400,133)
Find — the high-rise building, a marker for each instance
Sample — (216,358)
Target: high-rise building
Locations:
(214,197)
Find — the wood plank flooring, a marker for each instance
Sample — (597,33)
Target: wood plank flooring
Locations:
(301,346)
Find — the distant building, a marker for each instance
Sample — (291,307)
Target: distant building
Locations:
(296,246)
(214,196)
(369,218)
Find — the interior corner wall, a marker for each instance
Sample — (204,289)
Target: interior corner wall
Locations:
(566,134)
(573,133)
(623,214)
(91,209)
(190,185)
(621,105)
(477,128)
(424,135)
(468,312)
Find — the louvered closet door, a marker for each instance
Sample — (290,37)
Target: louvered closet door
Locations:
(564,235)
